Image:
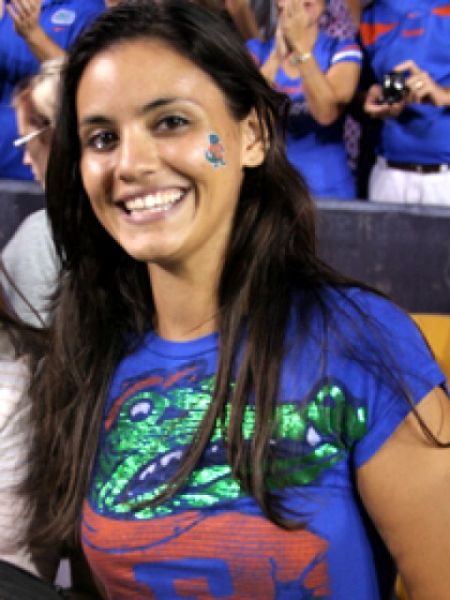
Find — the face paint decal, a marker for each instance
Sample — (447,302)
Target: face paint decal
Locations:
(215,152)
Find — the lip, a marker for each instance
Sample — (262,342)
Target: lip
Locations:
(140,217)
(149,191)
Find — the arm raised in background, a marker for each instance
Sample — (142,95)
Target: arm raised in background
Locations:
(327,93)
(25,15)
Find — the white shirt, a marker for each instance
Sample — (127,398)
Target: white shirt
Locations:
(14,437)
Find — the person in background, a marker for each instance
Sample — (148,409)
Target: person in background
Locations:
(22,575)
(411,40)
(32,31)
(320,74)
(219,412)
(31,265)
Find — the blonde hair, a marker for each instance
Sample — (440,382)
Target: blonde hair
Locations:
(44,88)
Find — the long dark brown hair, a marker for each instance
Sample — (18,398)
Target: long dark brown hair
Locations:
(105,298)
(25,339)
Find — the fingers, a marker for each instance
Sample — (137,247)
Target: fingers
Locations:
(25,14)
(375,107)
(24,10)
(422,88)
(407,65)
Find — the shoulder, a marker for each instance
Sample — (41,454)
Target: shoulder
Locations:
(389,365)
(374,346)
(32,235)
(382,327)
(259,49)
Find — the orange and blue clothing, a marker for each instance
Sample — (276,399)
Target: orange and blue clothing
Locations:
(392,32)
(211,540)
(62,21)
(316,151)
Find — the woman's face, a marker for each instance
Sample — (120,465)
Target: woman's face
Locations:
(314,8)
(37,149)
(161,156)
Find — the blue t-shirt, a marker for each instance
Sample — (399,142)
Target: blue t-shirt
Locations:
(62,21)
(211,540)
(393,32)
(316,151)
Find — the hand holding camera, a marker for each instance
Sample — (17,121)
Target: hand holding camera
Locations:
(405,84)
(422,87)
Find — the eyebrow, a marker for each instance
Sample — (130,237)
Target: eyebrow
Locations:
(149,107)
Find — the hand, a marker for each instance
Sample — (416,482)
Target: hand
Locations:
(422,88)
(297,27)
(25,15)
(375,107)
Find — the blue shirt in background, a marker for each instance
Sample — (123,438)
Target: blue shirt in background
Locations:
(62,21)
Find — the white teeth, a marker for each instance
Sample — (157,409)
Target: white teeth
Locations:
(158,202)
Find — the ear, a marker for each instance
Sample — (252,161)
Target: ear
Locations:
(254,141)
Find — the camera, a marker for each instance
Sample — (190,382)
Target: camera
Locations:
(394,87)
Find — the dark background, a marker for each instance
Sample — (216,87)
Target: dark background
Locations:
(402,250)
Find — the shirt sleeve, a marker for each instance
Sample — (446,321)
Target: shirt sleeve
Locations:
(347,50)
(404,372)
(31,261)
(259,50)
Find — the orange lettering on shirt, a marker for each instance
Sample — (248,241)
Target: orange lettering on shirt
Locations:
(371,32)
(442,11)
(407,33)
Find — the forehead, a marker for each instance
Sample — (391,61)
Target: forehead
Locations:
(139,71)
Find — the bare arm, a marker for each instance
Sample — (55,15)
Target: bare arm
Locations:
(405,487)
(327,94)
(25,15)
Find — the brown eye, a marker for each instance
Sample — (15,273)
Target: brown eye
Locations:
(102,140)
(172,122)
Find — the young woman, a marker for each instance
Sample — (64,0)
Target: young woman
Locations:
(320,74)
(219,414)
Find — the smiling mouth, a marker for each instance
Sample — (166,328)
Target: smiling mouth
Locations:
(159,202)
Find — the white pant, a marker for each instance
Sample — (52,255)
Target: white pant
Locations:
(394,185)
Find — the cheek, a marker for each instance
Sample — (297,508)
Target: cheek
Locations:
(196,157)
(93,175)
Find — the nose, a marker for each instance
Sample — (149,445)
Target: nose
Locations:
(138,155)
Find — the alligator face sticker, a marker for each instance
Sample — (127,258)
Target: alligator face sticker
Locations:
(215,152)
(150,424)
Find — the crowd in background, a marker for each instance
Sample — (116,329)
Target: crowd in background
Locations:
(366,109)
(347,135)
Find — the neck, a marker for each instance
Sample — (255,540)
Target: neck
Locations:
(185,303)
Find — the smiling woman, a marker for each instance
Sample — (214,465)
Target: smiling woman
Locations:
(218,410)
(146,155)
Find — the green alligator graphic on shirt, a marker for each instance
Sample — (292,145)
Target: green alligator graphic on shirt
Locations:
(150,424)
